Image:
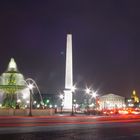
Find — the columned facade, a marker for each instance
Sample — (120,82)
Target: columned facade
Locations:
(111,101)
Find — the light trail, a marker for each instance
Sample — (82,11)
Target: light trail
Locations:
(49,121)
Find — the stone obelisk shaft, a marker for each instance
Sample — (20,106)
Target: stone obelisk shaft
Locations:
(68,74)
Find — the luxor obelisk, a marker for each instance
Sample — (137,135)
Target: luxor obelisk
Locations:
(68,75)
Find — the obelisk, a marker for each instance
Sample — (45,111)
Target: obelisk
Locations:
(68,75)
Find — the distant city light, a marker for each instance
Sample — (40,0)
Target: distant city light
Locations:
(38,105)
(88,90)
(73,88)
(91,105)
(129,100)
(61,96)
(30,86)
(18,101)
(94,94)
(74,100)
(124,105)
(27,102)
(47,101)
(76,105)
(131,105)
(34,102)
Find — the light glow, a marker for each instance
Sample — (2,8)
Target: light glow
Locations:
(27,102)
(38,105)
(25,95)
(94,94)
(61,96)
(88,90)
(18,101)
(123,112)
(30,86)
(135,112)
(73,88)
(131,105)
(34,102)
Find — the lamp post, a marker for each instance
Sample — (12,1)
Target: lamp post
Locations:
(72,90)
(30,86)
(74,105)
(88,91)
(72,112)
(94,96)
(61,97)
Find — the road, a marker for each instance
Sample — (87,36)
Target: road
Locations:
(70,128)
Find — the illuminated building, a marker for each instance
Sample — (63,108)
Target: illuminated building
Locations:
(135,97)
(111,101)
(130,102)
(133,101)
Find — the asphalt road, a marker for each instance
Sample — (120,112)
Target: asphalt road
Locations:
(70,128)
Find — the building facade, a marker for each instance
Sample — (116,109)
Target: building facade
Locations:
(111,101)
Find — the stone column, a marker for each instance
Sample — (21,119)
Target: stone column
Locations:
(68,75)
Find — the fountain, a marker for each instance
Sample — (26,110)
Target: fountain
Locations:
(31,81)
(14,88)
(10,84)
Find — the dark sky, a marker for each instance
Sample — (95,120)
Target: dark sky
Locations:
(106,42)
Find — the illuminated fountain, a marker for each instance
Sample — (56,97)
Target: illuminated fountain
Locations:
(31,81)
(14,88)
(11,82)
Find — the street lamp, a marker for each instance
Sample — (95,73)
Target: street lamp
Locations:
(88,92)
(30,86)
(94,94)
(61,97)
(72,91)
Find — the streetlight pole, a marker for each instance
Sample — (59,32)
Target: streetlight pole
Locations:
(61,97)
(30,111)
(30,86)
(72,113)
(94,95)
(72,91)
(88,91)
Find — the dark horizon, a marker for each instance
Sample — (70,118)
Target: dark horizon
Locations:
(105,43)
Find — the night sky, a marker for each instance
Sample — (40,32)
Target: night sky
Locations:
(106,42)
